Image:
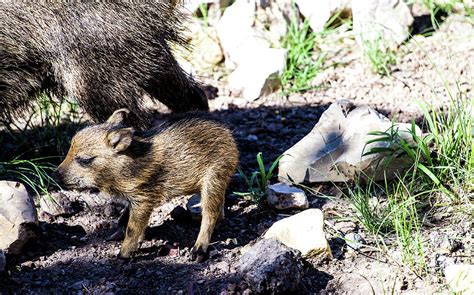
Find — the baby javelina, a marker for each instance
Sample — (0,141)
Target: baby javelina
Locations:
(147,168)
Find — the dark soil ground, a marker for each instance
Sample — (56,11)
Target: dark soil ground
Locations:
(72,253)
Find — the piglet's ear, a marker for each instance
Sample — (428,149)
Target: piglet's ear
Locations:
(118,117)
(120,139)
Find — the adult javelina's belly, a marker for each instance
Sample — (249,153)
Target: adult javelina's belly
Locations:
(105,55)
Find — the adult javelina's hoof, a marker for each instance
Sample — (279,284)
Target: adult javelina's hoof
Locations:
(82,51)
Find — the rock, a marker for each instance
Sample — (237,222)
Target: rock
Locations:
(259,74)
(173,252)
(257,65)
(3,261)
(345,226)
(460,278)
(206,52)
(213,254)
(18,217)
(271,19)
(386,19)
(319,12)
(90,199)
(236,33)
(117,235)
(332,151)
(168,250)
(194,207)
(282,196)
(193,5)
(57,204)
(207,48)
(354,240)
(303,232)
(271,267)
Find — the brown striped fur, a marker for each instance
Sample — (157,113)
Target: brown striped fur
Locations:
(187,156)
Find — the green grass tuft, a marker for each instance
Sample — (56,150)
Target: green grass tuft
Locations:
(257,183)
(300,67)
(33,173)
(379,56)
(441,174)
(403,208)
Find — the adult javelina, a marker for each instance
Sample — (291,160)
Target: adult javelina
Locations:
(149,167)
(105,55)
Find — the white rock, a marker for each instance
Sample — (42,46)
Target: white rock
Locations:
(282,196)
(259,74)
(386,19)
(236,33)
(206,47)
(303,232)
(257,66)
(319,12)
(272,19)
(460,278)
(17,217)
(194,207)
(354,240)
(332,151)
(94,199)
(206,51)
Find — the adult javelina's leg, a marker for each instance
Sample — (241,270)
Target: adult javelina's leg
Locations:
(24,69)
(18,82)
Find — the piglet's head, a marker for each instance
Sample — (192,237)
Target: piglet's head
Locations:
(97,154)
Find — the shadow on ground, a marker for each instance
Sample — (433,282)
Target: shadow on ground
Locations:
(271,130)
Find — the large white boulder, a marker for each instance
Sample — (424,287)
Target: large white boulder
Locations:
(256,65)
(259,74)
(18,217)
(236,33)
(333,150)
(191,6)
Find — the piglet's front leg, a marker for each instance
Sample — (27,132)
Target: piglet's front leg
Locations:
(138,220)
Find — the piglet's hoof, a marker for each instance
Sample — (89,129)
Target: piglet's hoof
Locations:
(123,260)
(124,255)
(197,254)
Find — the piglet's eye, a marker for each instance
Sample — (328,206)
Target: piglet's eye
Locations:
(84,161)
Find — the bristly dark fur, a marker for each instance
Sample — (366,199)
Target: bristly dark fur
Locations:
(105,55)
